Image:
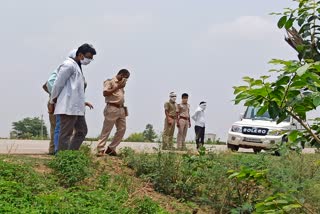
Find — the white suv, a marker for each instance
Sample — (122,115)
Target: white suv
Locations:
(258,132)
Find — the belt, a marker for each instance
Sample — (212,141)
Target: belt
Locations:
(185,118)
(115,105)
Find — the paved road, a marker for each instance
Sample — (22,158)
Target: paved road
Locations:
(41,147)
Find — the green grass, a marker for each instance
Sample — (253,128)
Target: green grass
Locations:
(72,182)
(237,183)
(77,182)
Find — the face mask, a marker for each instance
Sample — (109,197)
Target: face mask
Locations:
(85,61)
(173,99)
(203,106)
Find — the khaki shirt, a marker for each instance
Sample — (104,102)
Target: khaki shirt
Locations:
(184,110)
(117,97)
(171,109)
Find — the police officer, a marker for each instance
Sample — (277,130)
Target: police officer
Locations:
(170,121)
(183,121)
(114,113)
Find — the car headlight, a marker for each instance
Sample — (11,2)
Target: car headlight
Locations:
(275,132)
(236,129)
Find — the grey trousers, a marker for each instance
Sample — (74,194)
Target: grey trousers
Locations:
(73,130)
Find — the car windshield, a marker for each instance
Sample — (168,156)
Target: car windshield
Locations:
(251,113)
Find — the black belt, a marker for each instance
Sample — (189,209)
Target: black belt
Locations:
(115,105)
(185,118)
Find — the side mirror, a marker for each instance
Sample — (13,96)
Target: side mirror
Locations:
(241,116)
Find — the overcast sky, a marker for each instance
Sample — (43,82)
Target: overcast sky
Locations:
(200,47)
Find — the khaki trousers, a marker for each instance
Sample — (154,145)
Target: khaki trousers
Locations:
(182,133)
(167,138)
(52,119)
(112,116)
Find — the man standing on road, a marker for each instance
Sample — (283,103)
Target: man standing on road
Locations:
(115,113)
(200,124)
(170,110)
(183,121)
(68,99)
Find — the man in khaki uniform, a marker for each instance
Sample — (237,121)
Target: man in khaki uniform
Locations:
(169,123)
(183,121)
(114,113)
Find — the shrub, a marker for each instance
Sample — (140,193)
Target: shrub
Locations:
(71,167)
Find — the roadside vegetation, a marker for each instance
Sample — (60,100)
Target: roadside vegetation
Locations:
(234,183)
(77,182)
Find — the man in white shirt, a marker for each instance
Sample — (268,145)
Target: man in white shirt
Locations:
(200,124)
(68,100)
(54,121)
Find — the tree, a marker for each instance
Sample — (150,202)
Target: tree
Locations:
(296,89)
(135,137)
(149,134)
(29,128)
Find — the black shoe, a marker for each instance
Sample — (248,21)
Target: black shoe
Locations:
(111,152)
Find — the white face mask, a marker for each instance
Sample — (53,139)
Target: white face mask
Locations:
(173,99)
(85,61)
(203,106)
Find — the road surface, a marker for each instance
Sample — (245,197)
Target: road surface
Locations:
(41,147)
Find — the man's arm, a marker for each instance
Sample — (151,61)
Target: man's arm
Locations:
(195,116)
(166,111)
(45,88)
(65,72)
(109,89)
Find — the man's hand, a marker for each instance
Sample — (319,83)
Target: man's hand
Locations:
(50,108)
(121,84)
(170,121)
(89,105)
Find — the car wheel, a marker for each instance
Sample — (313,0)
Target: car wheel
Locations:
(233,148)
(256,150)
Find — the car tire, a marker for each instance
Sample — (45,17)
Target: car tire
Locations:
(256,150)
(233,148)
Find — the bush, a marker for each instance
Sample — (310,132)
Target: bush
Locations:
(206,179)
(71,167)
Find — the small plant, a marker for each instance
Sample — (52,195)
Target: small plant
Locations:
(71,167)
(148,206)
(248,184)
(279,203)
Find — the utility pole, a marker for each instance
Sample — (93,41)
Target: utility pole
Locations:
(41,133)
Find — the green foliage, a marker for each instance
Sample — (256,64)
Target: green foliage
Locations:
(231,183)
(147,206)
(306,18)
(296,88)
(71,167)
(135,137)
(278,203)
(149,134)
(29,128)
(23,190)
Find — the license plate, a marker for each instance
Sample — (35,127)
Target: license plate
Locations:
(253,140)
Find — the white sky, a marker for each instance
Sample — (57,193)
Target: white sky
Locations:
(200,47)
